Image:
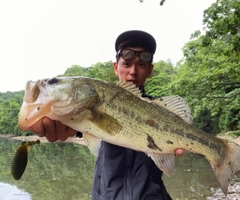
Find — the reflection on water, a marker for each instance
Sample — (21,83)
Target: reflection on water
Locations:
(193,178)
(11,192)
(61,171)
(55,170)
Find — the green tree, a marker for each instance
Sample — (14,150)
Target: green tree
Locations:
(209,77)
(9,110)
(103,71)
(7,95)
(75,70)
(162,74)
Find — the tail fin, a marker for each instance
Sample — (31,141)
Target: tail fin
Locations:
(229,166)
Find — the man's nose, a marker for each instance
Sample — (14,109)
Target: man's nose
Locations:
(133,69)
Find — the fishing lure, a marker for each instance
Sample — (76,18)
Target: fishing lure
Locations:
(20,158)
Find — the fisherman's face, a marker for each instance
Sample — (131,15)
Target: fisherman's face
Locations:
(134,71)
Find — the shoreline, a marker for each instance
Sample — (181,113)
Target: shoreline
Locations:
(42,139)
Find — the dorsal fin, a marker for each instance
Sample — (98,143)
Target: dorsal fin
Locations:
(177,105)
(130,88)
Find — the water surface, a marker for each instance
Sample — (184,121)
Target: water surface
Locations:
(61,171)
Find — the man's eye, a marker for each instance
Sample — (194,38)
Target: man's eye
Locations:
(142,64)
(126,64)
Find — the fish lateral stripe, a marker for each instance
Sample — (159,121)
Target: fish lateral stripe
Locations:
(174,130)
(198,139)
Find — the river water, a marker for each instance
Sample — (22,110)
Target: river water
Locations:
(63,171)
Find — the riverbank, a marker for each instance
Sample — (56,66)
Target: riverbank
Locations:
(42,139)
(233,193)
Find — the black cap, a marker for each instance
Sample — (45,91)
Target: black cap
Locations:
(136,38)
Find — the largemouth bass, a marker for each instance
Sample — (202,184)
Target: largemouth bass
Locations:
(119,115)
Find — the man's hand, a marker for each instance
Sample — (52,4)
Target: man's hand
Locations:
(52,130)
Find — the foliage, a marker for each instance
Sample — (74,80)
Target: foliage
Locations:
(222,23)
(75,70)
(9,110)
(100,70)
(209,78)
(234,134)
(7,95)
(157,84)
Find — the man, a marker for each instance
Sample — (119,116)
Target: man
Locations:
(121,173)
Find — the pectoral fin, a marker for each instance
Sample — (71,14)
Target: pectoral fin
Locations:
(165,162)
(106,123)
(92,143)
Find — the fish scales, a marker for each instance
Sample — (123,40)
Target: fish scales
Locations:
(140,115)
(119,115)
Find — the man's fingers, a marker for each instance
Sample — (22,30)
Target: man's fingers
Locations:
(50,128)
(38,128)
(64,131)
(71,132)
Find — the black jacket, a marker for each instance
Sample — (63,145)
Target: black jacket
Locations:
(124,174)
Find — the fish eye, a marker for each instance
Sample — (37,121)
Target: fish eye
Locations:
(52,80)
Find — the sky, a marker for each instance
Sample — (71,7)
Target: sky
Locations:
(41,39)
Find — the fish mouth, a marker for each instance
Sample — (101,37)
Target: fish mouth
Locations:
(29,115)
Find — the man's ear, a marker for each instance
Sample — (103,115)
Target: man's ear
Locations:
(150,70)
(115,66)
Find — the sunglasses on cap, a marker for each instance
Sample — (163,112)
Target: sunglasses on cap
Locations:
(129,54)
